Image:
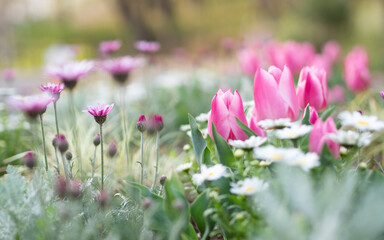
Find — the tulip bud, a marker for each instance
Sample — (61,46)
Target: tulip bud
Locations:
(63,144)
(68,156)
(30,160)
(96,140)
(112,149)
(141,123)
(163,179)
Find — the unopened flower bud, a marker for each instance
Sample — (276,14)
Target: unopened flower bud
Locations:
(102,198)
(75,190)
(155,124)
(146,203)
(61,187)
(363,165)
(112,149)
(63,144)
(55,141)
(141,123)
(159,123)
(239,153)
(30,160)
(96,140)
(162,180)
(187,147)
(68,156)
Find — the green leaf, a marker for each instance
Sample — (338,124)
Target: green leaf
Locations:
(307,114)
(207,157)
(198,142)
(326,157)
(140,191)
(324,115)
(223,151)
(245,128)
(198,207)
(303,142)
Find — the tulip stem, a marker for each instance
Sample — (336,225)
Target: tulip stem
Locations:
(45,151)
(157,159)
(142,158)
(102,156)
(57,123)
(93,162)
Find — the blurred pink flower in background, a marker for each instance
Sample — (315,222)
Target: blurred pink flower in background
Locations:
(336,94)
(312,88)
(331,50)
(322,62)
(9,74)
(356,71)
(320,136)
(146,46)
(225,108)
(70,73)
(53,90)
(32,106)
(155,123)
(120,68)
(249,61)
(293,54)
(108,47)
(228,44)
(274,94)
(313,115)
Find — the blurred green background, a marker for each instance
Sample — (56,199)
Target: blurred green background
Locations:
(28,27)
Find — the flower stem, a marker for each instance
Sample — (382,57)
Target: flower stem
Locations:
(123,123)
(93,162)
(142,158)
(102,156)
(65,166)
(57,123)
(74,131)
(157,160)
(57,161)
(45,151)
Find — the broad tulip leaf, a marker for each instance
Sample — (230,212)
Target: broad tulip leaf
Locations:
(223,151)
(245,128)
(324,115)
(198,142)
(207,157)
(198,207)
(326,157)
(307,114)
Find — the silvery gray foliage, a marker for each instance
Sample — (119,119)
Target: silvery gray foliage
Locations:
(298,206)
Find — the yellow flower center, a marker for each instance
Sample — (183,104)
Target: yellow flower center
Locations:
(301,162)
(211,174)
(277,156)
(364,123)
(292,134)
(248,189)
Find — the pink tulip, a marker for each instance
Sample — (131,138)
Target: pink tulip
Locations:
(336,94)
(249,61)
(322,62)
(312,88)
(320,136)
(356,72)
(293,54)
(331,50)
(274,94)
(225,108)
(252,124)
(313,115)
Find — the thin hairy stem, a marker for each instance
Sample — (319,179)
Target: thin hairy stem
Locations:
(45,151)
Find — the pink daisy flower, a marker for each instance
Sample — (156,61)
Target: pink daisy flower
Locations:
(109,46)
(53,89)
(32,106)
(70,73)
(99,112)
(120,68)
(146,46)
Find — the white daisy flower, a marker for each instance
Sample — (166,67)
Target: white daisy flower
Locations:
(361,122)
(351,138)
(203,131)
(273,154)
(209,173)
(306,161)
(183,167)
(293,132)
(248,187)
(251,142)
(278,123)
(185,127)
(203,117)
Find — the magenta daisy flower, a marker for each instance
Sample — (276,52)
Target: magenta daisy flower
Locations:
(53,89)
(109,46)
(32,106)
(99,112)
(120,68)
(70,73)
(146,46)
